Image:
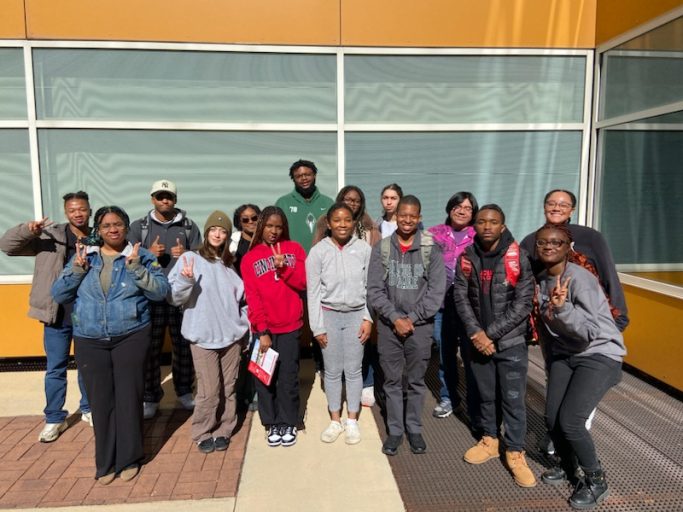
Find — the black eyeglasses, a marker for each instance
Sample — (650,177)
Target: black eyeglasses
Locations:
(253,218)
(552,243)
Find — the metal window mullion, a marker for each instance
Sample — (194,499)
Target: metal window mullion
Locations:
(462,127)
(595,167)
(640,29)
(341,143)
(33,134)
(584,171)
(640,114)
(187,126)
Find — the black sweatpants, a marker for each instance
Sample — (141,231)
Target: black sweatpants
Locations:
(396,356)
(114,376)
(576,385)
(278,404)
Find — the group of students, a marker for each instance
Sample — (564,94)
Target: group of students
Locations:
(466,284)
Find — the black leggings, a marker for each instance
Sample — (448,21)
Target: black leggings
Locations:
(576,384)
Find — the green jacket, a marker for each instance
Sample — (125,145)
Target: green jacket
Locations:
(302,215)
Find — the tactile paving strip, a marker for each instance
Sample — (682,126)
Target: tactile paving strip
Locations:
(638,433)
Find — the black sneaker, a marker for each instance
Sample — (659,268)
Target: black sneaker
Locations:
(288,435)
(391,444)
(417,443)
(273,436)
(206,446)
(221,443)
(554,476)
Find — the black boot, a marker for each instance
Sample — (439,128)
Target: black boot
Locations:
(590,491)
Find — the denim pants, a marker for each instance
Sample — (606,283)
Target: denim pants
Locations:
(449,335)
(505,370)
(576,385)
(57,342)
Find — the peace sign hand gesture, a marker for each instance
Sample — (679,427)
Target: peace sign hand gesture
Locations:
(559,294)
(81,257)
(36,227)
(188,268)
(278,257)
(134,255)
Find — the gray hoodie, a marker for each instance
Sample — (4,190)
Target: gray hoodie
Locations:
(585,317)
(336,278)
(407,290)
(213,315)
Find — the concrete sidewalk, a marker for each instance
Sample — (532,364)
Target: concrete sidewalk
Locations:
(308,476)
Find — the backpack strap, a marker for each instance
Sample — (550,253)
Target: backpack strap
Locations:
(385,249)
(466,266)
(511,263)
(187,224)
(426,244)
(144,230)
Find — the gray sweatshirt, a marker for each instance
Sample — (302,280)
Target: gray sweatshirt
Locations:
(585,316)
(213,317)
(336,279)
(404,289)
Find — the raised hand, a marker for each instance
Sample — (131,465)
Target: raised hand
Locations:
(188,268)
(36,226)
(156,248)
(178,249)
(135,254)
(81,257)
(559,294)
(278,257)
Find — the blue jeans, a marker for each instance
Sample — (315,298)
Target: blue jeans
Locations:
(57,342)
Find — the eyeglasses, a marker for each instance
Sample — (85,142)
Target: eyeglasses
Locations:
(253,218)
(561,206)
(109,227)
(349,200)
(464,208)
(552,243)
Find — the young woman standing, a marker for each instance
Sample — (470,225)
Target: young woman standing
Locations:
(108,281)
(585,354)
(244,219)
(336,273)
(454,236)
(215,324)
(365,229)
(389,198)
(274,276)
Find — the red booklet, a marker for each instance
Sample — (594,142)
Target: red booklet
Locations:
(262,365)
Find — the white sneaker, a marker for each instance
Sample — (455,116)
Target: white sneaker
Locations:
(367,397)
(87,417)
(352,433)
(332,432)
(149,409)
(186,401)
(51,431)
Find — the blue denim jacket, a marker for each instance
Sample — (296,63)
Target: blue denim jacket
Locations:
(125,308)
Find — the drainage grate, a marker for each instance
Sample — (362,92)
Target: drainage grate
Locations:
(637,431)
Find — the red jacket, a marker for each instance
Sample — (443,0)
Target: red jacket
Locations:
(274,299)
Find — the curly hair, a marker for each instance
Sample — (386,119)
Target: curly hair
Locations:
(94,238)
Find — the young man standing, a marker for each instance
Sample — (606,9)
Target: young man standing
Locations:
(53,245)
(167,232)
(406,286)
(305,204)
(493,292)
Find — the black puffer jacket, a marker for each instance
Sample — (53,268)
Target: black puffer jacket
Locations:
(511,304)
